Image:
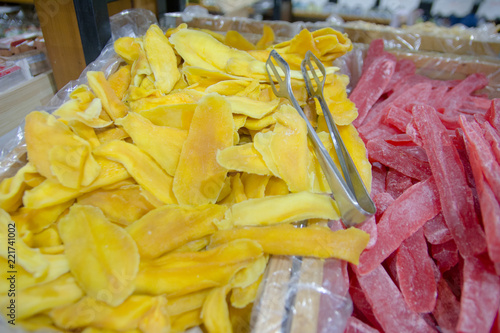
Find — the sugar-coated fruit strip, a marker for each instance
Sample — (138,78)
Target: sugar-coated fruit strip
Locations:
(454,98)
(485,158)
(436,231)
(354,325)
(381,151)
(362,307)
(445,255)
(407,214)
(480,295)
(408,93)
(490,208)
(388,304)
(397,117)
(375,50)
(396,183)
(437,94)
(493,114)
(415,274)
(370,227)
(454,193)
(371,86)
(379,173)
(382,200)
(447,307)
(493,138)
(404,68)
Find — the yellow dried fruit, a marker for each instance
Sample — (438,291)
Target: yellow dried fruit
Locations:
(113,106)
(243,158)
(215,312)
(94,244)
(166,228)
(11,189)
(199,178)
(141,167)
(36,220)
(120,81)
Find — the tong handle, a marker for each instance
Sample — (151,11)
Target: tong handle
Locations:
(350,209)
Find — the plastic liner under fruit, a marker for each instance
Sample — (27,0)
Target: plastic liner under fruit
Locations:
(313,293)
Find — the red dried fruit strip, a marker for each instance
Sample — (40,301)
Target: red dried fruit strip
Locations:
(454,193)
(398,159)
(379,173)
(404,69)
(490,208)
(396,183)
(485,158)
(382,200)
(480,298)
(437,95)
(445,255)
(397,117)
(493,138)
(354,325)
(371,85)
(436,231)
(415,274)
(361,304)
(447,307)
(454,98)
(375,50)
(388,304)
(370,227)
(493,114)
(407,214)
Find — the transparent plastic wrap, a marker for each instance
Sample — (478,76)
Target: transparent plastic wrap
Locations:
(430,64)
(314,292)
(482,41)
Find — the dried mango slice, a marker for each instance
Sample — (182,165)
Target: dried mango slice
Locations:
(168,227)
(178,274)
(243,158)
(267,38)
(255,185)
(58,265)
(29,259)
(200,49)
(36,220)
(262,142)
(315,241)
(199,178)
(228,87)
(234,39)
(85,132)
(250,107)
(174,115)
(89,116)
(113,106)
(250,273)
(284,209)
(47,238)
(237,193)
(276,186)
(40,322)
(120,81)
(259,124)
(181,97)
(184,321)
(50,193)
(290,134)
(146,136)
(111,134)
(94,244)
(140,68)
(91,312)
(157,319)
(161,58)
(124,205)
(57,153)
(59,292)
(141,167)
(127,48)
(243,296)
(186,303)
(12,189)
(215,312)
(194,246)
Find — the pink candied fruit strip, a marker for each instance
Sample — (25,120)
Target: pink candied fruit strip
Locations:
(447,308)
(388,304)
(454,98)
(397,117)
(371,86)
(490,208)
(493,114)
(416,274)
(445,255)
(379,173)
(480,298)
(404,69)
(397,158)
(375,50)
(382,201)
(455,194)
(406,215)
(362,307)
(486,161)
(370,227)
(493,138)
(436,231)
(396,183)
(354,325)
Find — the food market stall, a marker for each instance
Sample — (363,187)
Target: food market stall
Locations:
(179,174)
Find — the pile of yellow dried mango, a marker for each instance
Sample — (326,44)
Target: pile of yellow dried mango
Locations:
(152,199)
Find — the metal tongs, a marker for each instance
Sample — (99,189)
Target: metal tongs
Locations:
(352,198)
